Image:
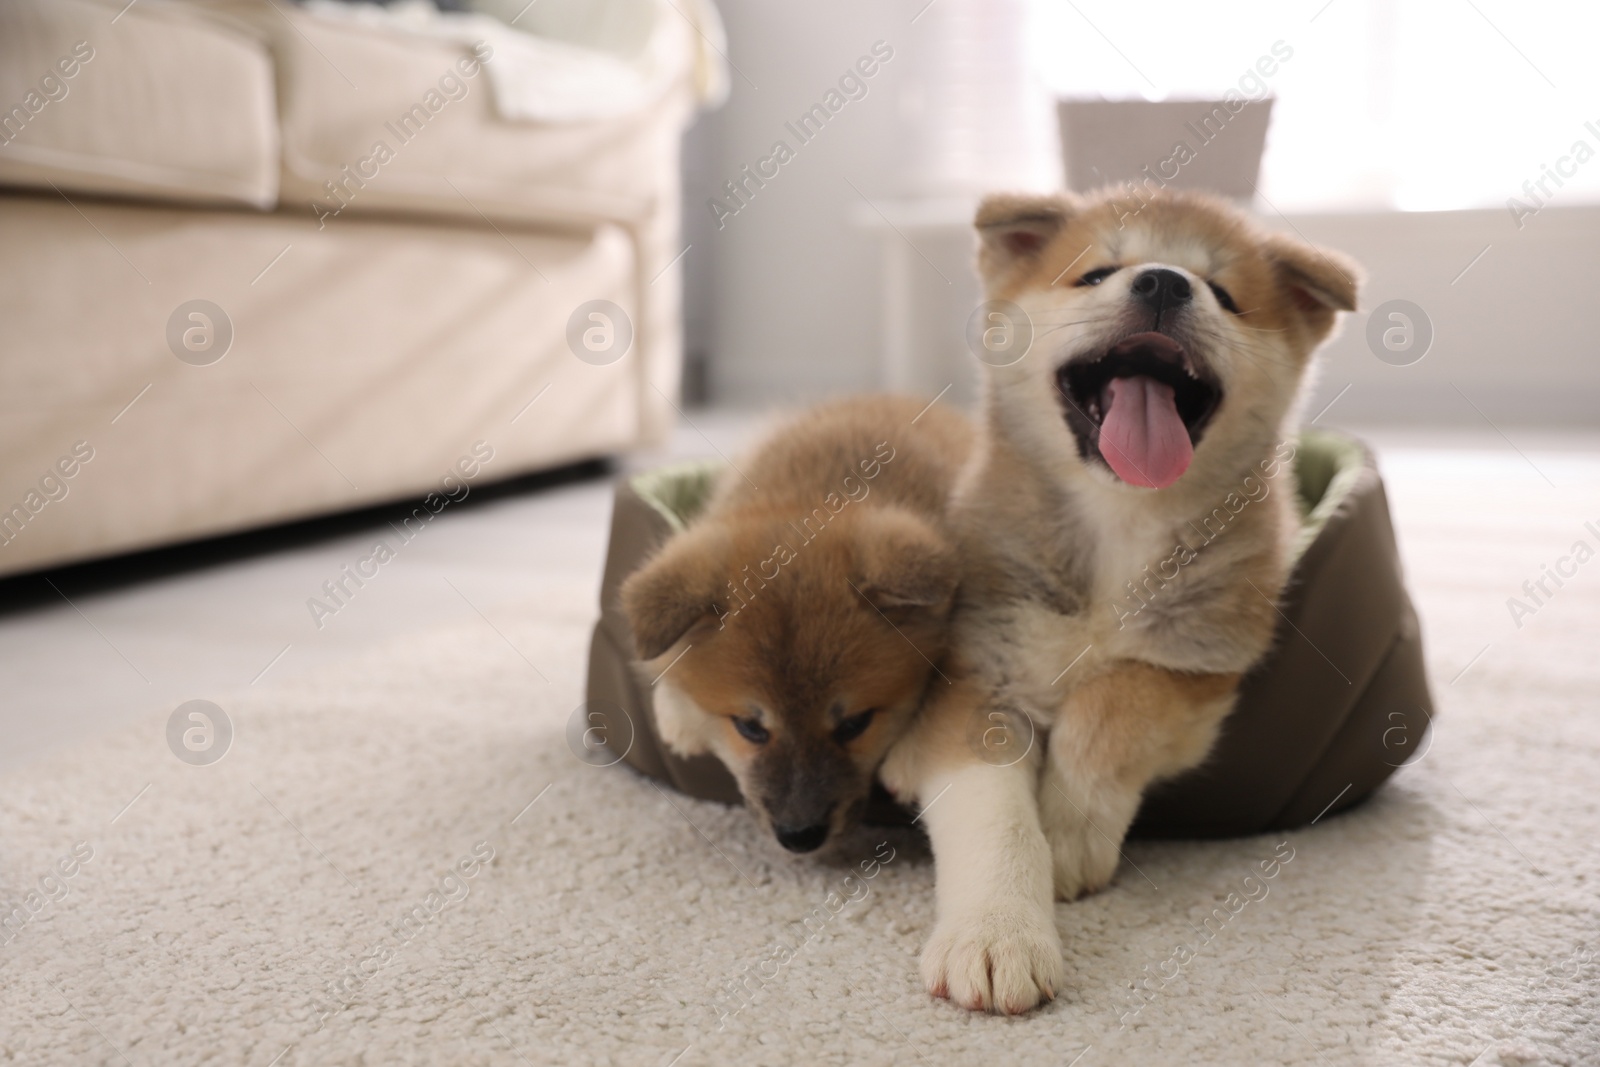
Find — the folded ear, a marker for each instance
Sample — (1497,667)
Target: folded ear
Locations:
(1017,227)
(903,563)
(1319,281)
(676,592)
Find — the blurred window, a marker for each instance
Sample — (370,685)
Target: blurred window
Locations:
(1421,105)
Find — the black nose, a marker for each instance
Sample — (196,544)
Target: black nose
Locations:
(1162,289)
(802,838)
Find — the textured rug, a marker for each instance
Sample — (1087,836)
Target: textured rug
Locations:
(401,861)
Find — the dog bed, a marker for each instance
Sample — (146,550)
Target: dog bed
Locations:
(1334,708)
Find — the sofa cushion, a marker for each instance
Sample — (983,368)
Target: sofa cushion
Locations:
(378,119)
(155,101)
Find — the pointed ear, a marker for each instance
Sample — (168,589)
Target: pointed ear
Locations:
(676,592)
(1015,227)
(904,564)
(1319,281)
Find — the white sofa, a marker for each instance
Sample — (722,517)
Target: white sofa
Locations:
(167,152)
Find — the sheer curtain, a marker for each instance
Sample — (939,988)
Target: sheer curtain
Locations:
(1419,105)
(975,115)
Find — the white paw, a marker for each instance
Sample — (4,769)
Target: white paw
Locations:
(1081,861)
(1083,855)
(1005,960)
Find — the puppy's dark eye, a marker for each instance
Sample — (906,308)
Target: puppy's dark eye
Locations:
(853,727)
(1096,276)
(1223,297)
(752,730)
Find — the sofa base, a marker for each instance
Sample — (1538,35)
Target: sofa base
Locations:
(367,359)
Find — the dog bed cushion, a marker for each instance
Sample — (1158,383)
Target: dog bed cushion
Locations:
(1339,702)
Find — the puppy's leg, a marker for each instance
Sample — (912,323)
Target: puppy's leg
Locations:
(995,945)
(1114,735)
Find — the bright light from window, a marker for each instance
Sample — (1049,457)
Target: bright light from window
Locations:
(1422,105)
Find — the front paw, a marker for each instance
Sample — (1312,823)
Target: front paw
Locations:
(1081,861)
(1004,960)
(1083,854)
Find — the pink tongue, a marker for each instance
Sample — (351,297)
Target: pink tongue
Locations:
(1142,436)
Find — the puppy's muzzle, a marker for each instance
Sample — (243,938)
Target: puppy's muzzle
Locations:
(802,838)
(1162,290)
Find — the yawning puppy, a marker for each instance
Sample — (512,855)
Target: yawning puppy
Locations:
(1124,530)
(808,604)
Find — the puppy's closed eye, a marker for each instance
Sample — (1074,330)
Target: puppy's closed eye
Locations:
(853,727)
(1224,297)
(752,731)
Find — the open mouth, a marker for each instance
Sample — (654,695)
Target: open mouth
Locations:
(1141,407)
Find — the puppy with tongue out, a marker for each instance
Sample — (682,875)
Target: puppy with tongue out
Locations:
(1143,402)
(1142,436)
(1114,586)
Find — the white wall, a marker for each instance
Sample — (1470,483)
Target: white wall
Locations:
(1515,334)
(1512,335)
(786,296)
(791,300)
(793,288)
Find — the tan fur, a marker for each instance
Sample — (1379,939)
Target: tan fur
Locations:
(1052,543)
(1128,726)
(855,619)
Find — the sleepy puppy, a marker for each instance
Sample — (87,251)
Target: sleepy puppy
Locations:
(808,604)
(1124,528)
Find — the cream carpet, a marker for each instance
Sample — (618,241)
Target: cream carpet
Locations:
(1454,920)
